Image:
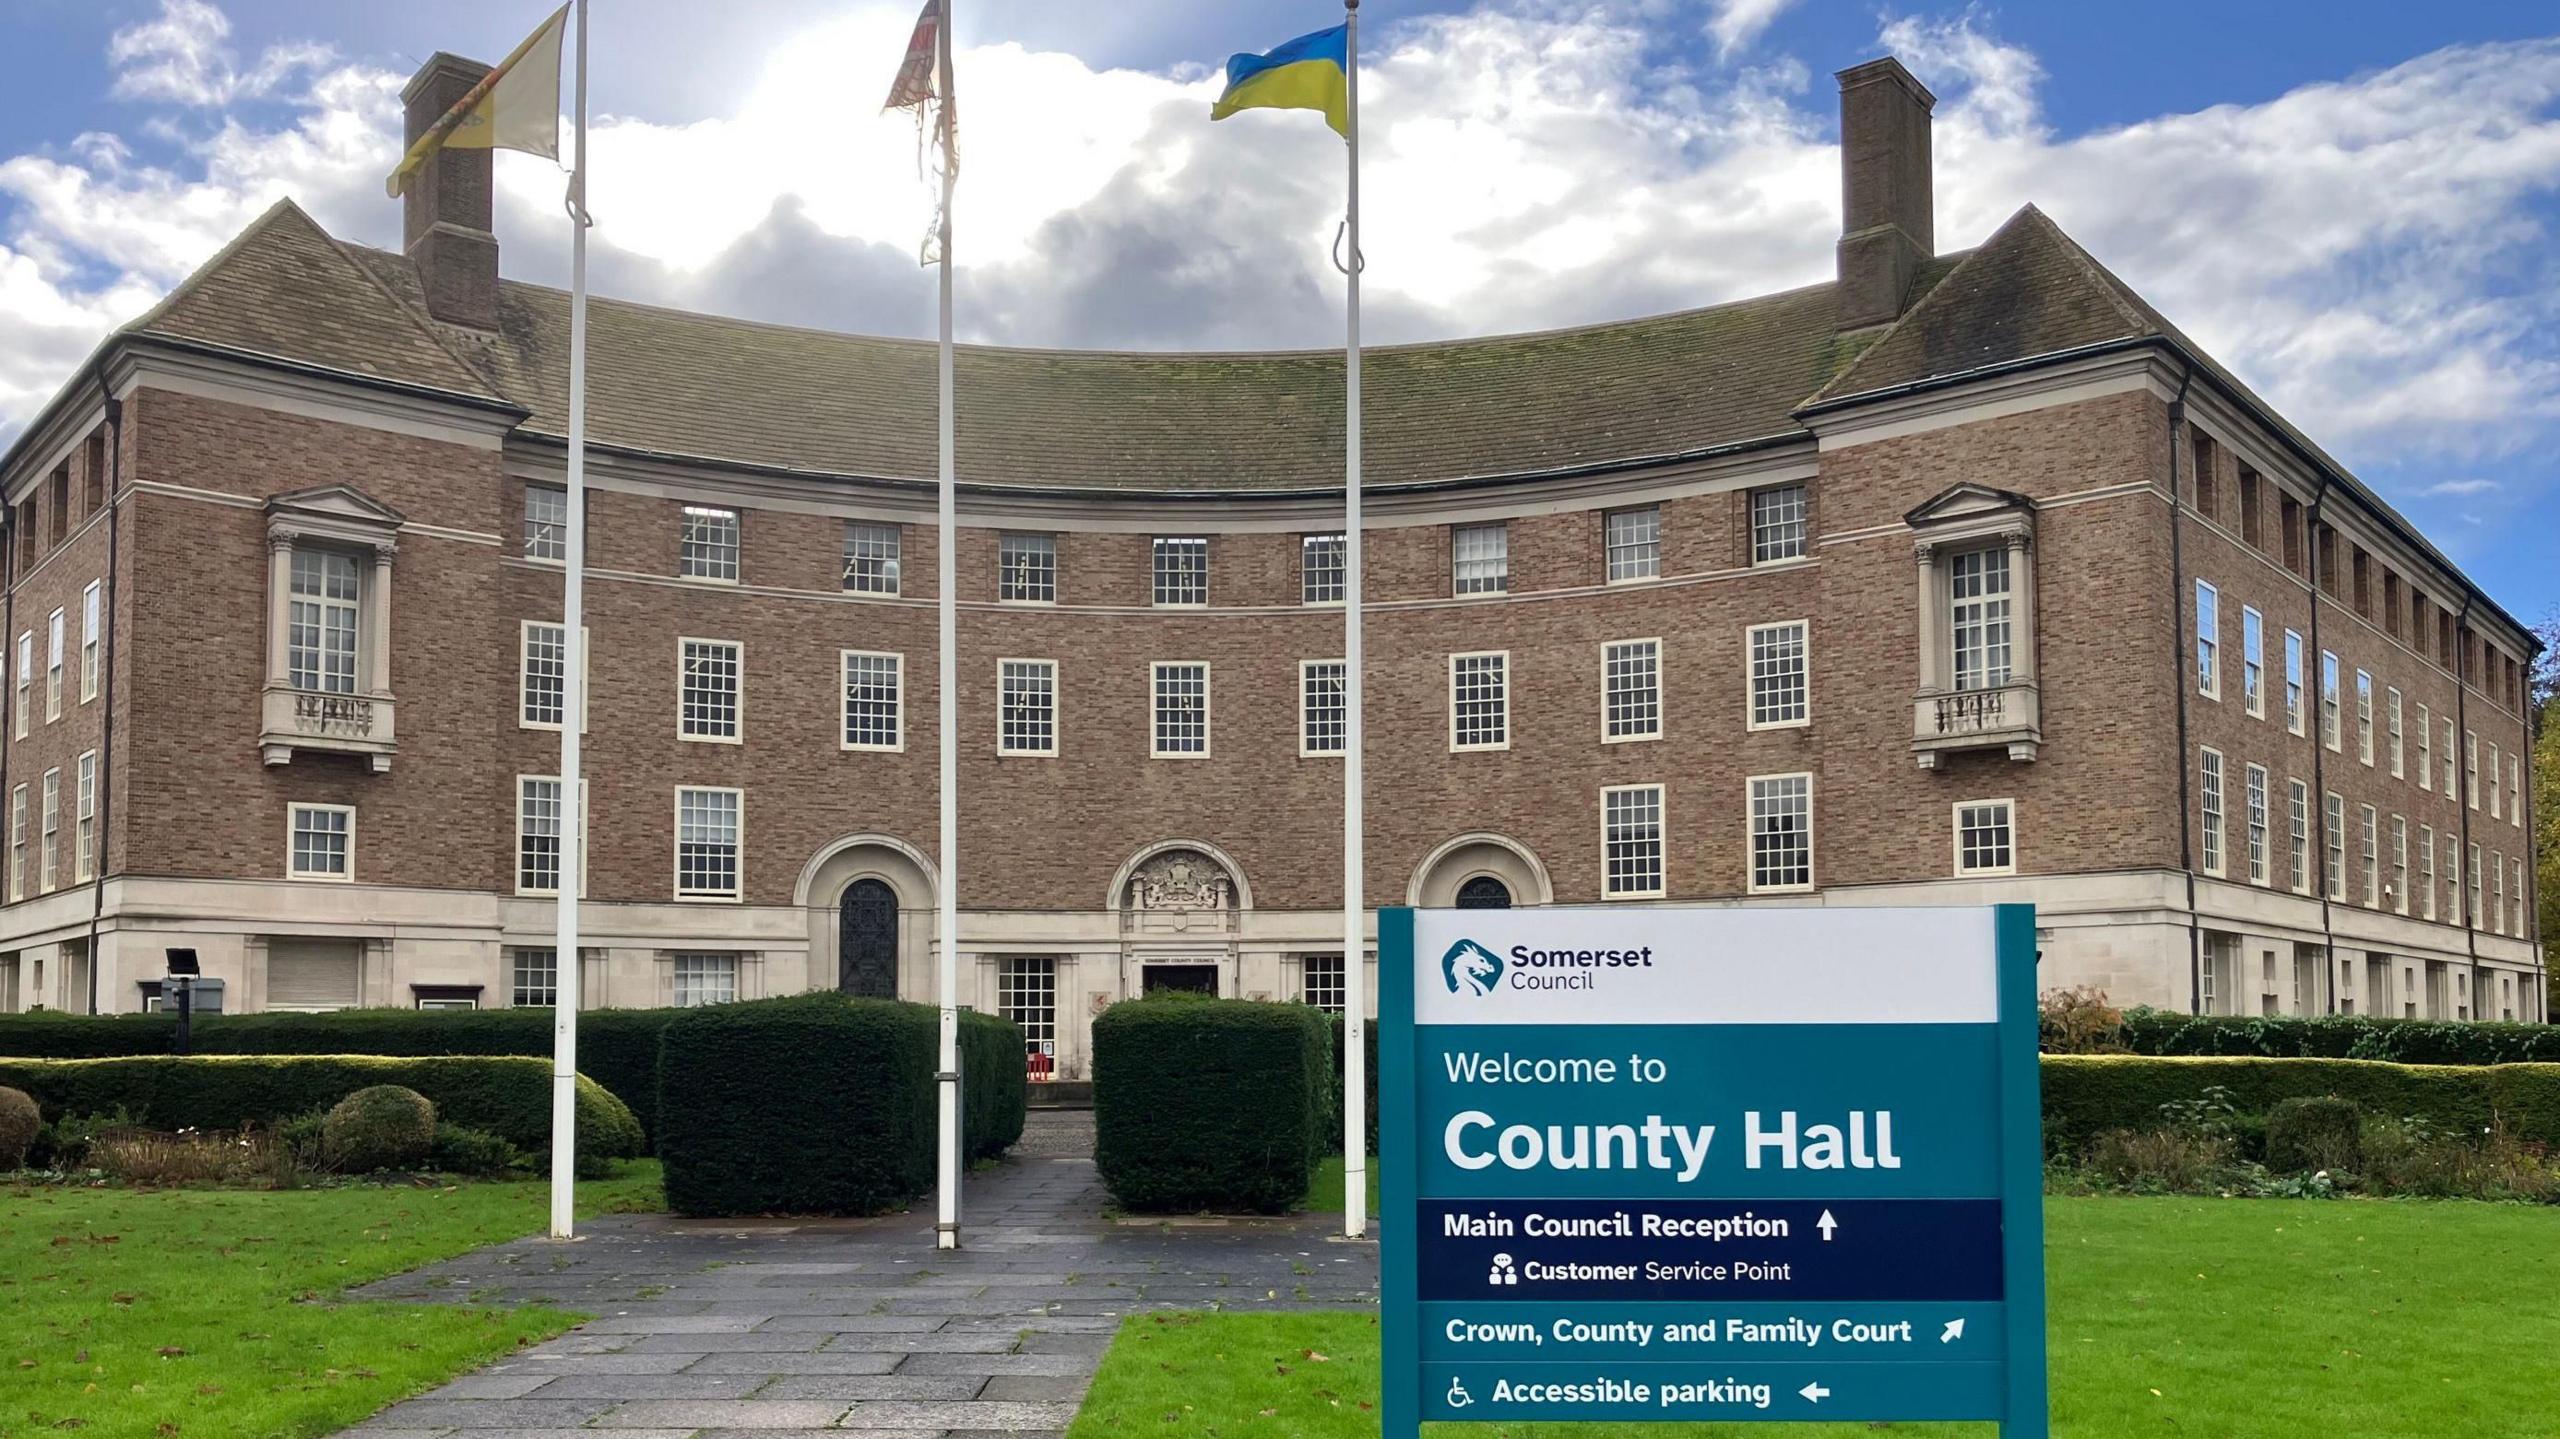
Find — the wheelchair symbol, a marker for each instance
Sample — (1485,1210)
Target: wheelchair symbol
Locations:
(1459,1398)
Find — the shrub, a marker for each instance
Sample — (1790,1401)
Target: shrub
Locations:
(19,1124)
(2162,1161)
(2079,1021)
(821,1103)
(508,1096)
(1341,1089)
(2414,1158)
(995,1083)
(617,1048)
(460,1149)
(2312,1132)
(303,1139)
(2087,1095)
(190,1159)
(51,1034)
(2341,1036)
(1210,1103)
(380,1127)
(64,1143)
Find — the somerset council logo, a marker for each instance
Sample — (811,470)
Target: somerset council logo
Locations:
(1471,968)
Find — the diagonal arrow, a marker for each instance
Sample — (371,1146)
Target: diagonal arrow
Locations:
(1826,1224)
(1814,1393)
(1955,1331)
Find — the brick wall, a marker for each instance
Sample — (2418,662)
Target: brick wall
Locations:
(1049,833)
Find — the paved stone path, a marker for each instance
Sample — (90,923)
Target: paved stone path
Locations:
(857,1327)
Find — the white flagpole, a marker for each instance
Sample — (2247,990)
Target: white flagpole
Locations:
(1355,999)
(946,690)
(566,970)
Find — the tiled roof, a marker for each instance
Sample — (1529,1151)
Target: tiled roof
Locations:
(703,385)
(285,289)
(719,389)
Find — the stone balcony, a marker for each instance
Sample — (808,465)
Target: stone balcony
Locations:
(2007,717)
(292,719)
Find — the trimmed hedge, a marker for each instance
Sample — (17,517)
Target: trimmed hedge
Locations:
(822,1104)
(505,1095)
(1218,1104)
(51,1034)
(2341,1036)
(617,1048)
(2088,1094)
(1341,1089)
(995,1083)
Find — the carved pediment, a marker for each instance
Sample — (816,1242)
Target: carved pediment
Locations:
(1958,504)
(339,513)
(1181,881)
(336,502)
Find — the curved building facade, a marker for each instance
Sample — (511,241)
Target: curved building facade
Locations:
(1964,577)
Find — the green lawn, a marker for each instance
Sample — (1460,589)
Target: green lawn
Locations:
(2265,1318)
(1324,1191)
(174,1313)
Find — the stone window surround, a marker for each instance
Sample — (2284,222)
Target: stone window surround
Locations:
(342,519)
(1965,518)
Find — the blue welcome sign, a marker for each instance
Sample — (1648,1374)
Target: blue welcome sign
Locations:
(1692,1165)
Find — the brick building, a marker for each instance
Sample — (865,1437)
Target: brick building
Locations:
(1964,577)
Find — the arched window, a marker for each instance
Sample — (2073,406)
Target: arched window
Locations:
(1484,892)
(867,940)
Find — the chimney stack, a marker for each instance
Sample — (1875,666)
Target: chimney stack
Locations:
(445,216)
(1885,230)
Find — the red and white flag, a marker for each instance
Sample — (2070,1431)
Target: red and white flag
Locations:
(923,85)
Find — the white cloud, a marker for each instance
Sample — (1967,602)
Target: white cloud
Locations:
(2371,252)
(2449,488)
(1737,23)
(185,57)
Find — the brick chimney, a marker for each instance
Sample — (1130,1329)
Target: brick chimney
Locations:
(445,215)
(1885,229)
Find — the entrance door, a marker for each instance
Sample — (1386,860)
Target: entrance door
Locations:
(1184,978)
(867,940)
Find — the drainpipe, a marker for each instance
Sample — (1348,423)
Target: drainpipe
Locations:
(2470,783)
(2533,723)
(2320,759)
(113,488)
(2178,677)
(8,627)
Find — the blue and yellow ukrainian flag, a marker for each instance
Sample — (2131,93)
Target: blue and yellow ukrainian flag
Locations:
(1308,73)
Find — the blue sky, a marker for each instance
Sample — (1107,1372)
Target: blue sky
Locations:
(2350,202)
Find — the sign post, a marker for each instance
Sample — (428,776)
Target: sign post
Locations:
(1695,1165)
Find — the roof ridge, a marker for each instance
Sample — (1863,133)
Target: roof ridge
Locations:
(194,281)
(1823,391)
(2114,288)
(425,322)
(1307,352)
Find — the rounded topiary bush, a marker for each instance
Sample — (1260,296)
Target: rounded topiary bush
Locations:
(384,1127)
(2314,1132)
(19,1122)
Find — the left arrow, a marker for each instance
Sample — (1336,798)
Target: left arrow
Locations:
(1814,1393)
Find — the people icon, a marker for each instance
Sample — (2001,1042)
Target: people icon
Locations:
(1503,1273)
(1459,1398)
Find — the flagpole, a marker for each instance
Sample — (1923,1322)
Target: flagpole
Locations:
(1355,1012)
(946,691)
(566,970)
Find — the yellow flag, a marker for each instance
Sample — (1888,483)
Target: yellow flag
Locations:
(516,106)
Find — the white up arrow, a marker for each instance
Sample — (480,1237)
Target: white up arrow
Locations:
(1826,1224)
(1814,1393)
(1955,1331)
